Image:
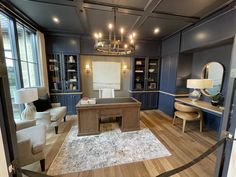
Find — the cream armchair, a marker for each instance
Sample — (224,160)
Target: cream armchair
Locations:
(31,139)
(53,116)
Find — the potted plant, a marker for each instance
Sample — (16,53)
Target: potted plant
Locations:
(217,100)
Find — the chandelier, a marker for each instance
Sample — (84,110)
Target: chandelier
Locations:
(114,45)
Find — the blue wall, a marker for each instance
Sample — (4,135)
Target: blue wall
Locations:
(221,54)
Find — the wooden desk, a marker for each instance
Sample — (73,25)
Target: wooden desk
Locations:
(202,105)
(90,114)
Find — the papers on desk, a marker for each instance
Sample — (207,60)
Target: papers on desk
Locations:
(86,100)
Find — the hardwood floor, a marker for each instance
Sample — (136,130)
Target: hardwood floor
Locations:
(183,147)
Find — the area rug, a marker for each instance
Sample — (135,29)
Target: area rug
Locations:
(111,147)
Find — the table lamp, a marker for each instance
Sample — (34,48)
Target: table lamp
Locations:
(27,96)
(198,84)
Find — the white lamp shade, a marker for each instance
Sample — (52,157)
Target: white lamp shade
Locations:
(199,83)
(26,95)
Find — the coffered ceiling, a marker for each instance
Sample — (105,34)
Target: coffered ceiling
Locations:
(88,16)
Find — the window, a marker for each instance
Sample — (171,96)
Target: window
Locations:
(11,61)
(22,67)
(28,56)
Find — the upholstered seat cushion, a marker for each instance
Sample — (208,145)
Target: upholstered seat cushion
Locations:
(37,136)
(186,115)
(57,113)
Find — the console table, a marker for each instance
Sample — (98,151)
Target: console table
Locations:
(89,114)
(206,106)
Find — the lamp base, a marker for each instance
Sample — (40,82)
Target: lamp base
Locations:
(195,95)
(29,111)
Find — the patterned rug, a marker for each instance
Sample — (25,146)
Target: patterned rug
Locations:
(111,147)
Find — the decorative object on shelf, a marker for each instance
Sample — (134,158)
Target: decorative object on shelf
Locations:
(138,86)
(217,100)
(55,86)
(115,46)
(138,62)
(27,96)
(139,71)
(151,70)
(71,59)
(152,64)
(198,84)
(152,86)
(87,68)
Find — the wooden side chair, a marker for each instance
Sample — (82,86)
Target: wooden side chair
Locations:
(187,113)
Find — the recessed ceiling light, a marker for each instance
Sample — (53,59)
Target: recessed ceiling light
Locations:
(56,20)
(156,30)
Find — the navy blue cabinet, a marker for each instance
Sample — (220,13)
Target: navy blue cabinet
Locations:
(145,72)
(71,101)
(152,100)
(149,100)
(58,99)
(63,53)
(140,97)
(64,79)
(63,72)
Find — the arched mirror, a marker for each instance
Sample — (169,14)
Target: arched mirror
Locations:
(215,72)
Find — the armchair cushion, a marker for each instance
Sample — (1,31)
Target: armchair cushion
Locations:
(57,113)
(43,103)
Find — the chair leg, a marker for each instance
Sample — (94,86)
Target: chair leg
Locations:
(42,164)
(56,129)
(174,120)
(65,119)
(184,123)
(201,123)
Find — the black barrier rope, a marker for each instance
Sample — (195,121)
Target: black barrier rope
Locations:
(165,174)
(194,161)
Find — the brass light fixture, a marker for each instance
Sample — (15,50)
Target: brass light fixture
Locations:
(114,45)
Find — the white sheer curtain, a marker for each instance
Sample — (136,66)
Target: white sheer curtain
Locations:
(42,60)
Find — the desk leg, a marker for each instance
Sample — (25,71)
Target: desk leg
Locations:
(88,122)
(130,119)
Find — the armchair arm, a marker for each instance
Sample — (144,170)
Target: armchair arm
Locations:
(56,105)
(25,124)
(43,118)
(24,149)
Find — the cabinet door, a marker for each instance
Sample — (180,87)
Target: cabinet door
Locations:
(58,99)
(55,72)
(71,72)
(138,73)
(71,101)
(152,74)
(152,100)
(140,97)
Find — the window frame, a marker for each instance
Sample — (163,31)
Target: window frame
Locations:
(16,58)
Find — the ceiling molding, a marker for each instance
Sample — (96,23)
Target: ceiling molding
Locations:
(150,7)
(53,3)
(90,4)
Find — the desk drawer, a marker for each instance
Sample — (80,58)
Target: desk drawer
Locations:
(111,112)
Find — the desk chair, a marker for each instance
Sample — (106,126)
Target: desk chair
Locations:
(187,113)
(106,93)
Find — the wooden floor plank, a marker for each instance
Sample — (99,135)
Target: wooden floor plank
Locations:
(183,146)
